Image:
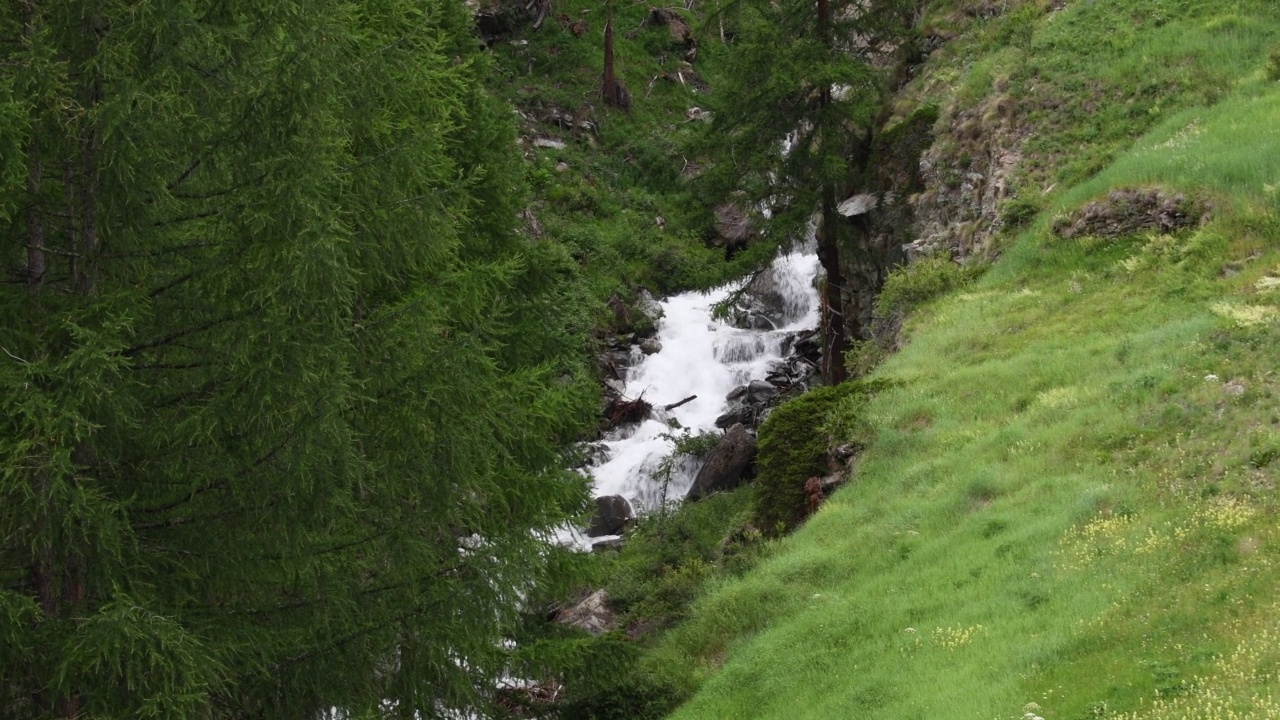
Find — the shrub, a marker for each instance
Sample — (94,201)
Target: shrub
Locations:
(792,449)
(1018,212)
(608,684)
(921,281)
(1273,65)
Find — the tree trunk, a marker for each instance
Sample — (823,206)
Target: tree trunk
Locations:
(834,341)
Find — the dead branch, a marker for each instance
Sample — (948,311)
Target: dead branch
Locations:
(624,412)
(675,405)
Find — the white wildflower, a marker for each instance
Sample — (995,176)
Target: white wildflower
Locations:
(1268,284)
(1245,315)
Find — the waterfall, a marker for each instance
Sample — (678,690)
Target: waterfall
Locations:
(701,356)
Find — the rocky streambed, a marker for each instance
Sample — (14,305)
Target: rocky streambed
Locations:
(700,372)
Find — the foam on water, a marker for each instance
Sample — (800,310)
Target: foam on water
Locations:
(700,356)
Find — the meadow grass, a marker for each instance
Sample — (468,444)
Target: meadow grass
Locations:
(1069,506)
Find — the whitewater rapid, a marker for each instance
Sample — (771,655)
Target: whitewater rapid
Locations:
(701,356)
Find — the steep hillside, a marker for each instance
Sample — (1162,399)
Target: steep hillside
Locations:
(1067,508)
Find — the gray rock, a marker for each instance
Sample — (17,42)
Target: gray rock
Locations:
(613,514)
(591,614)
(649,305)
(595,454)
(614,363)
(733,225)
(760,391)
(727,464)
(608,544)
(650,346)
(858,205)
(747,404)
(549,143)
(740,415)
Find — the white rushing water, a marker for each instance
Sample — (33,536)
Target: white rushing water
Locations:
(700,356)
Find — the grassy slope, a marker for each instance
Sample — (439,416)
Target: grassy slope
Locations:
(1058,508)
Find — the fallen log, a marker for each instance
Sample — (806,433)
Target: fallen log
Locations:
(675,405)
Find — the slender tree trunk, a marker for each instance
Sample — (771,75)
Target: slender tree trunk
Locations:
(834,341)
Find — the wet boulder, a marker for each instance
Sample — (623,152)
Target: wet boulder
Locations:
(613,514)
(727,465)
(762,304)
(747,404)
(758,391)
(737,415)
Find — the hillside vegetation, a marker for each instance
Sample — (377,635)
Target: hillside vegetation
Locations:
(1068,508)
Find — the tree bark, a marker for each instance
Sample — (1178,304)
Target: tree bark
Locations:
(834,341)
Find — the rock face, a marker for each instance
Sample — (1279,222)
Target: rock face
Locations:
(1127,212)
(967,177)
(592,614)
(613,515)
(727,464)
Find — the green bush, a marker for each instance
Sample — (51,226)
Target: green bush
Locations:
(1273,65)
(1018,212)
(669,557)
(793,448)
(921,281)
(608,684)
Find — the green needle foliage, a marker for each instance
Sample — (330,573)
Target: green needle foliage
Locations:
(795,116)
(282,395)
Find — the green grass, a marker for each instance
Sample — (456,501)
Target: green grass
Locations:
(1096,73)
(1069,89)
(1058,508)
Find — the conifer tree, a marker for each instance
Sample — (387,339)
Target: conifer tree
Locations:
(795,116)
(282,394)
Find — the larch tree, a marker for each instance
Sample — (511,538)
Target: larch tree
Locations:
(795,117)
(282,392)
